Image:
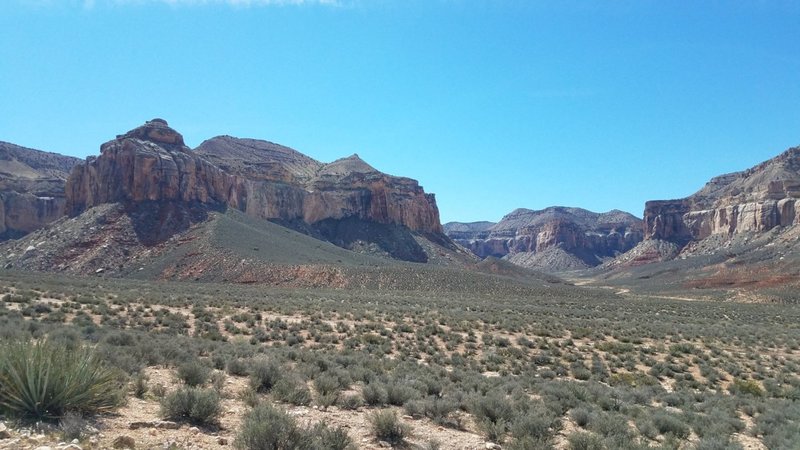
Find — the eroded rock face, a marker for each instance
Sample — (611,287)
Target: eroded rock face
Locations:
(583,237)
(265,180)
(754,200)
(291,186)
(31,188)
(150,163)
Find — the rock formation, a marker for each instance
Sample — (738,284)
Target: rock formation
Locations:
(287,185)
(754,200)
(150,163)
(555,238)
(31,188)
(262,179)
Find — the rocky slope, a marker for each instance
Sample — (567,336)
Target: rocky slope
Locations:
(729,209)
(31,188)
(167,187)
(284,184)
(737,237)
(757,199)
(553,239)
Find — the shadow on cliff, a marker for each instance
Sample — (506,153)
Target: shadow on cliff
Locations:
(353,233)
(155,222)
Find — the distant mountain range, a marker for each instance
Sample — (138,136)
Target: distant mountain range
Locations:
(250,210)
(553,239)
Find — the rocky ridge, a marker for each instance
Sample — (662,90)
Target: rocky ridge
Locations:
(555,238)
(743,204)
(166,187)
(757,199)
(31,188)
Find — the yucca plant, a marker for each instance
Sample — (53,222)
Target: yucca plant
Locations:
(43,380)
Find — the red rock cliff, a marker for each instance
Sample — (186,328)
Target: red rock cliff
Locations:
(754,200)
(31,188)
(151,163)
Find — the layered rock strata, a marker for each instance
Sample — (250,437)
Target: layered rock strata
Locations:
(31,188)
(151,163)
(583,238)
(754,200)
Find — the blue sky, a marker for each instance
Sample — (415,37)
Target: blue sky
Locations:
(490,104)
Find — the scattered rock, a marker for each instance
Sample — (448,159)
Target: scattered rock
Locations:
(493,446)
(137,425)
(222,441)
(160,424)
(194,430)
(167,425)
(384,444)
(4,433)
(124,442)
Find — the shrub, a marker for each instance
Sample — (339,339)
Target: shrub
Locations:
(667,423)
(584,441)
(493,431)
(195,405)
(193,373)
(42,380)
(749,387)
(140,385)
(493,407)
(351,401)
(535,426)
(398,394)
(292,390)
(72,426)
(581,416)
(386,426)
(375,394)
(327,386)
(264,373)
(326,438)
(269,428)
(249,397)
(439,410)
(237,367)
(609,424)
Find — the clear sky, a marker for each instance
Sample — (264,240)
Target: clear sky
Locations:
(490,104)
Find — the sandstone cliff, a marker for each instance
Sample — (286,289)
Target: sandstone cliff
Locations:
(555,238)
(31,188)
(151,166)
(754,200)
(149,163)
(284,184)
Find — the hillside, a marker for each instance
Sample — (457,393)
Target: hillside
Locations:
(31,188)
(740,231)
(553,239)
